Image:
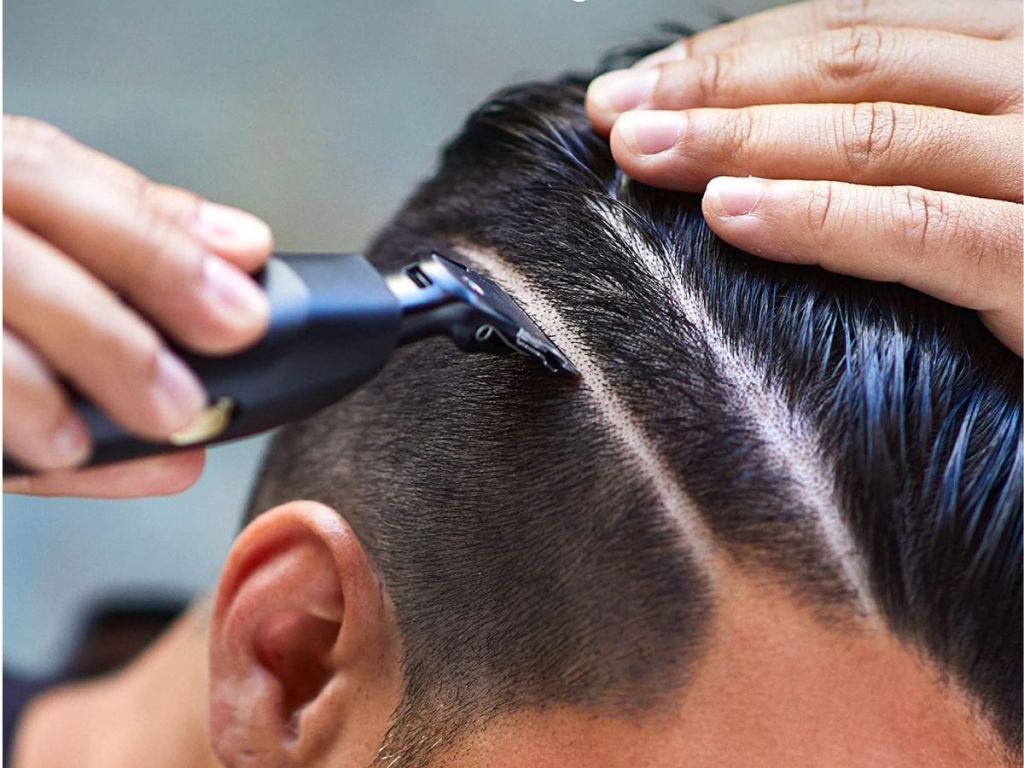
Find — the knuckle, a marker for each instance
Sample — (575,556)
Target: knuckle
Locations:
(1011,98)
(836,14)
(997,252)
(822,211)
(134,348)
(923,219)
(128,341)
(851,53)
(31,145)
(173,202)
(689,50)
(169,261)
(1006,246)
(741,131)
(140,189)
(149,351)
(867,132)
(713,75)
(137,364)
(744,31)
(113,173)
(25,128)
(154,230)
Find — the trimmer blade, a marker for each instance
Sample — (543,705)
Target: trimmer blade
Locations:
(440,295)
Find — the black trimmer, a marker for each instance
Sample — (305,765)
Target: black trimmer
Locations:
(335,320)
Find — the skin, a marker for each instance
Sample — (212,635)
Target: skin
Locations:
(841,134)
(827,133)
(97,258)
(298,663)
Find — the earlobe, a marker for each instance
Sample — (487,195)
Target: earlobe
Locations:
(297,631)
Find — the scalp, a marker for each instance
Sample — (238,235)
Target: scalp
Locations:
(857,447)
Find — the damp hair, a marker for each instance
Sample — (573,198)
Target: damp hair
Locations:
(860,442)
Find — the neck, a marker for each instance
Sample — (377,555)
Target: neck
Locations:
(153,713)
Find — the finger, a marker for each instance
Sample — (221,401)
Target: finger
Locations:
(868,143)
(87,335)
(963,250)
(994,20)
(142,240)
(846,66)
(40,428)
(154,476)
(230,233)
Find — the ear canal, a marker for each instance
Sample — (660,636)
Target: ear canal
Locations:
(295,647)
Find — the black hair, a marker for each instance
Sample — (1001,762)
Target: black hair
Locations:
(531,563)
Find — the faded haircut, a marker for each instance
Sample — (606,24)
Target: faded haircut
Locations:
(546,543)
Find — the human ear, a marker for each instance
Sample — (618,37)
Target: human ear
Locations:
(304,650)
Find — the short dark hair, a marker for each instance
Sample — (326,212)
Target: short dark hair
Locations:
(530,559)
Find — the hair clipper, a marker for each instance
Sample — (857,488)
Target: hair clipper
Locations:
(335,320)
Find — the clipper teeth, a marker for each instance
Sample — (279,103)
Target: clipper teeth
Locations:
(551,357)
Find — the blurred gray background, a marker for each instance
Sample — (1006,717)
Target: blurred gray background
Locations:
(318,116)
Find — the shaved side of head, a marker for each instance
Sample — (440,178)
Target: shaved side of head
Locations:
(855,447)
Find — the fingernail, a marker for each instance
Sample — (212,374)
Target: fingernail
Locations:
(648,133)
(624,89)
(234,295)
(733,196)
(221,226)
(674,52)
(179,394)
(70,441)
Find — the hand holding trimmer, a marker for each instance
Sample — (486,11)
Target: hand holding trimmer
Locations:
(335,321)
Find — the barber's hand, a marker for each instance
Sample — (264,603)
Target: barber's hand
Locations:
(886,136)
(96,259)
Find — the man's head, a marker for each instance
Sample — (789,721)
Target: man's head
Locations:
(777,521)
